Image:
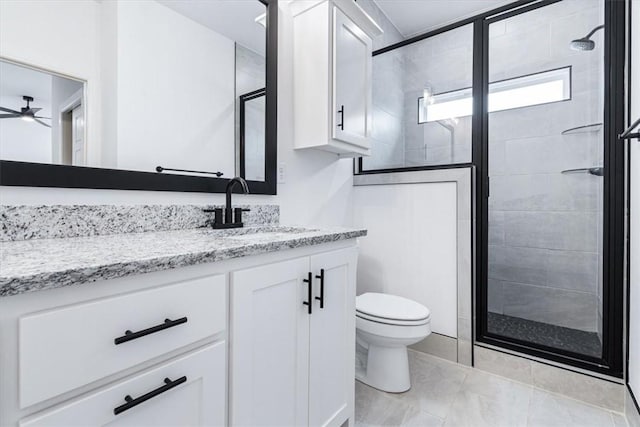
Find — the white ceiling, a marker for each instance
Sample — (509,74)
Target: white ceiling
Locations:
(416,16)
(233,19)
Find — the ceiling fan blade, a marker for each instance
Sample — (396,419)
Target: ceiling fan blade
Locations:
(7,110)
(41,117)
(8,116)
(34,110)
(42,123)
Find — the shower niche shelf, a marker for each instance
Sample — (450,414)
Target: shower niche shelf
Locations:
(591,128)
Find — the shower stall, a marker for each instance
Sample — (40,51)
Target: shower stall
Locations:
(529,96)
(551,280)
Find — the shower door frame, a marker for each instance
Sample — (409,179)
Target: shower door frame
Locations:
(611,362)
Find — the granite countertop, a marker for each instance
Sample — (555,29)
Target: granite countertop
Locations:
(39,264)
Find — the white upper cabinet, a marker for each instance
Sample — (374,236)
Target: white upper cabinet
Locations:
(332,76)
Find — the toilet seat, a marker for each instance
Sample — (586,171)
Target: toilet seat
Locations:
(392,321)
(391,309)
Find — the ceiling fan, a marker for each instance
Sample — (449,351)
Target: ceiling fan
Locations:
(26,113)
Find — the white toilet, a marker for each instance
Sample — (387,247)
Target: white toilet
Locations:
(385,326)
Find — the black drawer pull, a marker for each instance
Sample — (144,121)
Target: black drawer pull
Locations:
(321,297)
(128,335)
(341,112)
(131,402)
(309,280)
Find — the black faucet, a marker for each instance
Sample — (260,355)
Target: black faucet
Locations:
(232,217)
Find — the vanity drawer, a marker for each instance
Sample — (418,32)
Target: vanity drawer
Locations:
(193,396)
(67,347)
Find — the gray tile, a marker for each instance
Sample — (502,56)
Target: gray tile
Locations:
(552,230)
(376,408)
(434,384)
(495,298)
(487,400)
(549,410)
(496,227)
(464,268)
(549,154)
(587,389)
(552,268)
(559,307)
(518,264)
(630,411)
(519,192)
(438,345)
(573,270)
(505,365)
(619,420)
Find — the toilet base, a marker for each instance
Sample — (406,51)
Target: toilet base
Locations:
(387,369)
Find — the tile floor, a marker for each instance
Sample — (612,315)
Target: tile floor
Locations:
(447,394)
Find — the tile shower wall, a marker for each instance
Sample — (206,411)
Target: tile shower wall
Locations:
(442,63)
(387,131)
(545,255)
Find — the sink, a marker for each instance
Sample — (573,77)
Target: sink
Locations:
(259,233)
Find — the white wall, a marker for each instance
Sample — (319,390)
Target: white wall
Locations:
(318,186)
(59,36)
(175,96)
(634,328)
(411,248)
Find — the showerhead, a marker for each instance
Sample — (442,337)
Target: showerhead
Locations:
(585,43)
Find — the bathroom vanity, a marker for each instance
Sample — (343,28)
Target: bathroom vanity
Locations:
(183,327)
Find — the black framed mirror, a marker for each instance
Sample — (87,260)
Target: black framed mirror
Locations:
(178,74)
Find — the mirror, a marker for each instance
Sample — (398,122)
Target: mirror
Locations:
(169,88)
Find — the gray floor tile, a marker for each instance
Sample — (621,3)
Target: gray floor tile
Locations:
(434,384)
(491,401)
(548,410)
(468,397)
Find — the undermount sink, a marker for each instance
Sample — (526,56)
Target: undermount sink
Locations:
(259,233)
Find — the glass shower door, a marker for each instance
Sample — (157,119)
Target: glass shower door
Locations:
(545,160)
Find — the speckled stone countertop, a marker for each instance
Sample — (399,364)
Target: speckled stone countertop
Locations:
(39,264)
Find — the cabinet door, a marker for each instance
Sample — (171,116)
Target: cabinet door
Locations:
(332,338)
(197,397)
(269,345)
(351,81)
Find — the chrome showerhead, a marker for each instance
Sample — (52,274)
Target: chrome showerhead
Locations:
(585,43)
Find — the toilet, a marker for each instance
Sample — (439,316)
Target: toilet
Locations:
(385,326)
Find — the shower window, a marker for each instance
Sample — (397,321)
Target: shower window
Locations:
(526,91)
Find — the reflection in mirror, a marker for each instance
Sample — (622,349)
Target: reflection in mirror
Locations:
(172,73)
(41,116)
(252,114)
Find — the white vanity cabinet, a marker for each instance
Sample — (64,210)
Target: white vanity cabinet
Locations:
(229,342)
(293,341)
(332,76)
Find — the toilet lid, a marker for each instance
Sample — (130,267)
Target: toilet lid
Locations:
(391,307)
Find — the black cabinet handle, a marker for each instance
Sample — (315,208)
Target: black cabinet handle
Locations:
(131,402)
(309,280)
(321,297)
(341,112)
(128,335)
